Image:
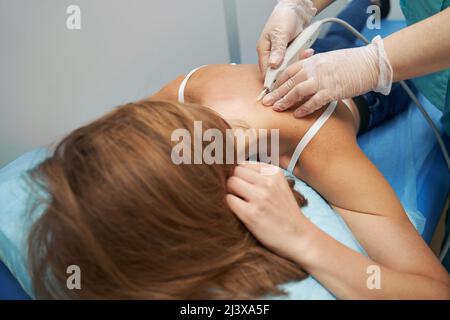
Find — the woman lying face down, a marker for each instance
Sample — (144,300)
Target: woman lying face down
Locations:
(140,226)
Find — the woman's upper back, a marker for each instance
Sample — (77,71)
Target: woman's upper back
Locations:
(232,91)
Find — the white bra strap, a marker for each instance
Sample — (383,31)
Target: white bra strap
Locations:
(184,83)
(310,134)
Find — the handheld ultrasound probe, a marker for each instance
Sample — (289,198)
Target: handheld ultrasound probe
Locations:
(303,41)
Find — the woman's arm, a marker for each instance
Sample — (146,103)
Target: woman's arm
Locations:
(347,273)
(335,166)
(267,207)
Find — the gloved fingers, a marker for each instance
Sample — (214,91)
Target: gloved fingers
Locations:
(296,94)
(278,44)
(263,51)
(288,86)
(306,54)
(287,74)
(294,68)
(316,102)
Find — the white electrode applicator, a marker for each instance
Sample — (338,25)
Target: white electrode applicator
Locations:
(303,41)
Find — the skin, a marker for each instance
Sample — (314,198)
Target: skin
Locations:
(333,165)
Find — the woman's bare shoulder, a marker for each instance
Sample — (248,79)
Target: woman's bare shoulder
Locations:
(209,83)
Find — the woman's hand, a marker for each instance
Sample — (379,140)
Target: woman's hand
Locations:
(330,76)
(262,199)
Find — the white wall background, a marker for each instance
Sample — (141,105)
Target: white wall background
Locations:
(52,79)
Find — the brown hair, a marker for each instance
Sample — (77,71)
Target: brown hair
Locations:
(139,226)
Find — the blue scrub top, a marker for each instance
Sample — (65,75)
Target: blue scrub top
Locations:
(436,86)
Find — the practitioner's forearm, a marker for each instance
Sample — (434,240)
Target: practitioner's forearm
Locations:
(420,49)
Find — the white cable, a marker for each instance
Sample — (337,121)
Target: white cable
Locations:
(310,134)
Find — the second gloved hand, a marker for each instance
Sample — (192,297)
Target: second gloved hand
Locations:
(330,76)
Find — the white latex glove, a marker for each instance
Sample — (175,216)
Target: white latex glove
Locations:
(288,19)
(330,76)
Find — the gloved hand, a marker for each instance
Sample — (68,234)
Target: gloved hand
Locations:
(288,19)
(330,76)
